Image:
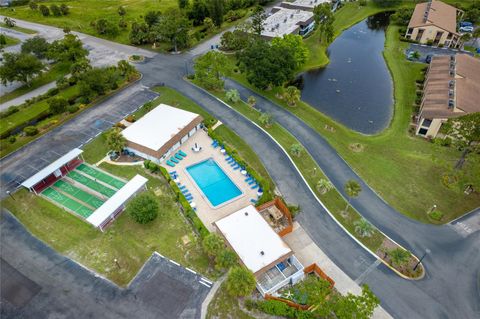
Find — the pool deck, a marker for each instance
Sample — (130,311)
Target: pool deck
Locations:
(205,212)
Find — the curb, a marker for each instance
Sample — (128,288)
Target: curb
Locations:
(316,197)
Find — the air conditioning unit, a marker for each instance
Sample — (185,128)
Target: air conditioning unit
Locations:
(452,58)
(451,84)
(451,104)
(451,93)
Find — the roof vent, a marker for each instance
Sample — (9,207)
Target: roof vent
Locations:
(246,213)
(451,93)
(284,20)
(452,58)
(451,84)
(291,16)
(452,72)
(262,253)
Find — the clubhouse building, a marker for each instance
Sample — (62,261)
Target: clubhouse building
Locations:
(282,21)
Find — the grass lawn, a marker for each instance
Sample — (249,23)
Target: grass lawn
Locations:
(406,171)
(56,71)
(125,240)
(10,41)
(225,306)
(16,28)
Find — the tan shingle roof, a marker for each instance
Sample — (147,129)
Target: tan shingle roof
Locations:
(440,14)
(467,87)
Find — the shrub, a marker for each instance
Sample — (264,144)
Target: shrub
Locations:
(240,282)
(232,95)
(213,244)
(266,119)
(143,208)
(276,308)
(30,130)
(55,10)
(33,5)
(122,24)
(107,27)
(57,105)
(52,92)
(12,139)
(362,3)
(9,111)
(72,109)
(64,9)
(130,118)
(436,215)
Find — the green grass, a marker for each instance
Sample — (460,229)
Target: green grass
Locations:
(225,306)
(125,240)
(57,71)
(10,41)
(406,171)
(32,112)
(16,28)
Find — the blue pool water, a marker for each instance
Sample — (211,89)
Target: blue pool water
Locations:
(213,182)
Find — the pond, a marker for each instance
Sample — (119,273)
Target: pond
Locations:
(355,88)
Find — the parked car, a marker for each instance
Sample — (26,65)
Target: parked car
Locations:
(466,24)
(466,29)
(428,59)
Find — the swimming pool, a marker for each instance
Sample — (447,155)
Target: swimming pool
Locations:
(213,182)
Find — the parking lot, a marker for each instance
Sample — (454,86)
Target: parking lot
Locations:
(22,164)
(37,282)
(425,50)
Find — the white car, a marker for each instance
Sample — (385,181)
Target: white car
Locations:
(466,29)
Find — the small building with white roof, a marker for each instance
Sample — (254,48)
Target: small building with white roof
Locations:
(282,21)
(306,5)
(161,131)
(260,249)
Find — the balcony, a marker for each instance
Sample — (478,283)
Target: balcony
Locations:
(288,271)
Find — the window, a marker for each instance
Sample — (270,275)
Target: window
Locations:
(422,131)
(410,30)
(426,123)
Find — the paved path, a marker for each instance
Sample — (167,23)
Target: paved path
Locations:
(21,99)
(37,282)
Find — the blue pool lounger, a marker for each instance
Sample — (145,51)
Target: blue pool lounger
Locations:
(185,191)
(170,163)
(235,168)
(179,157)
(181,187)
(254,186)
(173,173)
(173,159)
(248,179)
(189,197)
(253,201)
(182,153)
(251,182)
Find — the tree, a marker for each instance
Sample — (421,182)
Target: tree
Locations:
(466,131)
(98,81)
(210,68)
(10,23)
(33,5)
(232,95)
(465,38)
(399,256)
(80,67)
(139,33)
(57,104)
(55,10)
(352,189)
(208,23)
(476,33)
(296,149)
(296,45)
(213,244)
(121,11)
(64,9)
(240,282)
(225,259)
(19,67)
(69,49)
(324,185)
(198,12)
(386,3)
(152,17)
(266,65)
(143,208)
(266,119)
(3,40)
(107,27)
(233,41)
(216,11)
(258,18)
(173,27)
(37,46)
(125,68)
(324,19)
(182,4)
(402,16)
(44,10)
(363,228)
(358,307)
(251,101)
(115,140)
(291,95)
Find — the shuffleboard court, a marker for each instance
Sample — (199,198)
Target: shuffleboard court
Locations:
(101,176)
(90,183)
(67,202)
(78,193)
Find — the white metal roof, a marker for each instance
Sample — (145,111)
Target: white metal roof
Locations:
(249,234)
(117,200)
(284,21)
(310,4)
(158,126)
(52,167)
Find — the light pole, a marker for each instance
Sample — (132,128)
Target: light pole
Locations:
(427,251)
(10,194)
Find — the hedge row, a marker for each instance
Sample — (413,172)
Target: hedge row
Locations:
(278,308)
(263,183)
(187,209)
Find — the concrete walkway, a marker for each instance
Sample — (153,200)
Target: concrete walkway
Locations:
(21,99)
(308,253)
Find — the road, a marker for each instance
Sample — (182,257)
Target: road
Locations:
(451,287)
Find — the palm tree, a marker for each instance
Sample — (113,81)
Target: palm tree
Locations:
(324,185)
(266,119)
(115,140)
(291,95)
(465,38)
(352,189)
(399,256)
(252,101)
(364,228)
(296,149)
